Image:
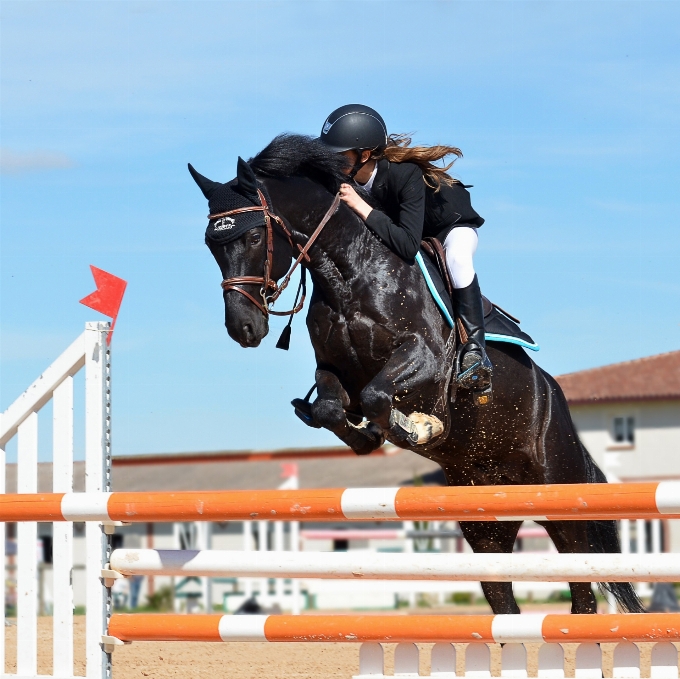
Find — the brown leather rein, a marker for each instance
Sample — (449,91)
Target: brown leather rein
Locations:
(265,281)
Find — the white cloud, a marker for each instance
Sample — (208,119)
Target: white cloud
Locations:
(16,162)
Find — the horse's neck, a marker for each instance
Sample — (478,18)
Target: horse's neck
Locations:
(342,262)
(338,254)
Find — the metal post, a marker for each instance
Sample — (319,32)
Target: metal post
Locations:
(278,547)
(262,530)
(625,536)
(293,483)
(409,548)
(97,480)
(656,536)
(204,539)
(295,547)
(641,544)
(247,547)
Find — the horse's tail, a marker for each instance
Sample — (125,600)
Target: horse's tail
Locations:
(603,537)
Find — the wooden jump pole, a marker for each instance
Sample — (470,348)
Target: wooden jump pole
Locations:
(485,503)
(527,567)
(525,628)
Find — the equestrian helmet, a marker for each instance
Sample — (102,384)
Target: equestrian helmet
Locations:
(354,127)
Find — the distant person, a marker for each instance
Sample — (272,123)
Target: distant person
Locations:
(135,587)
(120,592)
(664,599)
(418,199)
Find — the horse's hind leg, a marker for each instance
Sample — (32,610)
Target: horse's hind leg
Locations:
(499,538)
(329,411)
(571,537)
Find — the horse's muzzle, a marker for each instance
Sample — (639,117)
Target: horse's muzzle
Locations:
(249,338)
(246,333)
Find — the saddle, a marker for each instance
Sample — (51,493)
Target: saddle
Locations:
(500,325)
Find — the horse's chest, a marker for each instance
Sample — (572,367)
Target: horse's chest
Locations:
(358,339)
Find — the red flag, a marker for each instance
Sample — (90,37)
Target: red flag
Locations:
(107,297)
(289,469)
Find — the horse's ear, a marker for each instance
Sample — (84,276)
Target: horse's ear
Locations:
(206,185)
(247,181)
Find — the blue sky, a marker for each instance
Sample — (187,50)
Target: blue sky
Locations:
(567,112)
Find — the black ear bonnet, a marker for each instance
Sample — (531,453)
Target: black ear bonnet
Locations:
(238,193)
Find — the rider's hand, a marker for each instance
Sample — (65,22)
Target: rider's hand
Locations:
(354,201)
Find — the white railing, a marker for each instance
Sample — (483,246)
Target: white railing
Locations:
(477,661)
(21,420)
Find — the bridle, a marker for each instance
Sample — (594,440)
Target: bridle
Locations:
(266,282)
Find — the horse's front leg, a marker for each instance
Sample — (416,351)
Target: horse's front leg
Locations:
(411,368)
(329,411)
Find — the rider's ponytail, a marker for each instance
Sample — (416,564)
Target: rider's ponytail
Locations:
(399,150)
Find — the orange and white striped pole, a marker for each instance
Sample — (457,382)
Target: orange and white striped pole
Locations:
(524,628)
(469,503)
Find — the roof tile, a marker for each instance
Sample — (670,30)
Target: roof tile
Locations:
(644,379)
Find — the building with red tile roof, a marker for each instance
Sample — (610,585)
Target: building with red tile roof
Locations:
(628,417)
(653,378)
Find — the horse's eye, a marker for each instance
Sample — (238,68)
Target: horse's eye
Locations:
(255,239)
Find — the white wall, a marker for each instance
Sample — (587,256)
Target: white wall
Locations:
(656,451)
(654,455)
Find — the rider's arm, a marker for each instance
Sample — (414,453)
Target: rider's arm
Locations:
(403,237)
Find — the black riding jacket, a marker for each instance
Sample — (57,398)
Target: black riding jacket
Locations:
(413,211)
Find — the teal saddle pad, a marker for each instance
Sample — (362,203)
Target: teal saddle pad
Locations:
(497,326)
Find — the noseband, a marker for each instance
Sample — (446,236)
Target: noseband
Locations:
(266,282)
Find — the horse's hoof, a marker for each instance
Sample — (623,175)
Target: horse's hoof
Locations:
(373,430)
(428,427)
(365,437)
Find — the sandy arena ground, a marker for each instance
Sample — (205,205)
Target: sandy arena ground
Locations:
(254,660)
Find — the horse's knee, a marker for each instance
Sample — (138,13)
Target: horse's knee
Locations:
(329,387)
(376,405)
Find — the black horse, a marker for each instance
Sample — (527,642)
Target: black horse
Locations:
(384,353)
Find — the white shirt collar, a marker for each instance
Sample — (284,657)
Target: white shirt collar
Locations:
(369,184)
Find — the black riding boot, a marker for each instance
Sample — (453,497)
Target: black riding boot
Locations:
(473,367)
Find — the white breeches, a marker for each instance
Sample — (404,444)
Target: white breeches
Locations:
(460,247)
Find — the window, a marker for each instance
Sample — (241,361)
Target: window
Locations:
(624,430)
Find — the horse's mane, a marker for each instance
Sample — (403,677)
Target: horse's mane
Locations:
(290,155)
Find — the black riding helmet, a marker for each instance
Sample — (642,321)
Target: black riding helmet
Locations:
(354,127)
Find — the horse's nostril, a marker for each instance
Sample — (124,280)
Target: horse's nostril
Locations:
(248,331)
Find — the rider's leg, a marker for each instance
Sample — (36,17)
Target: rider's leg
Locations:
(475,367)
(460,247)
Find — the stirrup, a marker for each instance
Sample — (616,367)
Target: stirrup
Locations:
(478,375)
(303,409)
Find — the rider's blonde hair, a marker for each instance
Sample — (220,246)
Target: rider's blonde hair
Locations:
(399,150)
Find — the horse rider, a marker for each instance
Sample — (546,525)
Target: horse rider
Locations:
(419,200)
